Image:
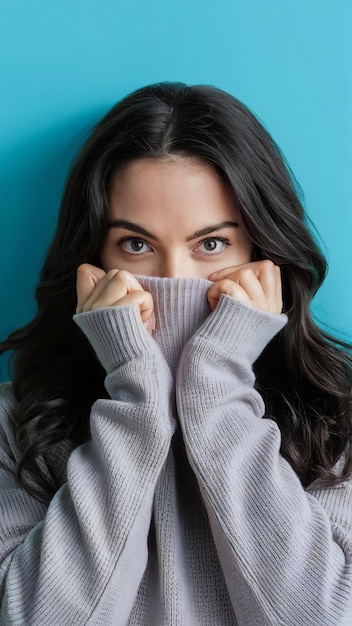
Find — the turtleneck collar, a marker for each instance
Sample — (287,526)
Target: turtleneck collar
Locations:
(180,308)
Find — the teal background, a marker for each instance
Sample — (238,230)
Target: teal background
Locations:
(63,64)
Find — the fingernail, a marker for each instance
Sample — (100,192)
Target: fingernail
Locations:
(213,275)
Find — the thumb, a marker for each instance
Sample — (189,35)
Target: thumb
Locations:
(142,300)
(88,277)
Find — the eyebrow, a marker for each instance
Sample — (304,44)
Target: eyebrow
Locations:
(199,233)
(211,229)
(134,227)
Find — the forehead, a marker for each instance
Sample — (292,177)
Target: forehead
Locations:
(170,188)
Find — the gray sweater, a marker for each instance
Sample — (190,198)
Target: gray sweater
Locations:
(180,510)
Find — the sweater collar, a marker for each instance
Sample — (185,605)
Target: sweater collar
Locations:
(180,308)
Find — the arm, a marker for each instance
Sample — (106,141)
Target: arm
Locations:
(80,560)
(286,553)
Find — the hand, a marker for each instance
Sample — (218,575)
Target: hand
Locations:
(97,289)
(256,284)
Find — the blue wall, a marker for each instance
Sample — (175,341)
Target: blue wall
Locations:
(65,63)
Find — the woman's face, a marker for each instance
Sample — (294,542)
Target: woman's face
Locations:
(173,218)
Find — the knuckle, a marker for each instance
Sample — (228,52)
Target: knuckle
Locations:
(245,271)
(83,269)
(267,264)
(225,282)
(148,297)
(122,275)
(98,305)
(112,274)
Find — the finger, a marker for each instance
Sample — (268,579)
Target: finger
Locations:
(226,272)
(250,283)
(99,289)
(229,288)
(88,277)
(142,300)
(115,286)
(279,295)
(268,277)
(267,295)
(262,286)
(259,287)
(270,280)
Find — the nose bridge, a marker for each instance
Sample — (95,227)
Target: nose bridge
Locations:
(175,264)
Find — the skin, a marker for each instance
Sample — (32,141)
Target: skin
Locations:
(176,218)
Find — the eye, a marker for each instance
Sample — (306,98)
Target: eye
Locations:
(213,245)
(134,245)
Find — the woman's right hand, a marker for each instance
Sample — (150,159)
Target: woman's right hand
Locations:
(97,289)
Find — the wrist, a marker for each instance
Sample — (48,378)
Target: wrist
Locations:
(240,329)
(117,334)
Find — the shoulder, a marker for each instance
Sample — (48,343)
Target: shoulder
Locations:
(7,399)
(8,447)
(7,408)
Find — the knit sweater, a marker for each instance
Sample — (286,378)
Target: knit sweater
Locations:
(180,510)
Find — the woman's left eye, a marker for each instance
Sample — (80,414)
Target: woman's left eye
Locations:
(213,245)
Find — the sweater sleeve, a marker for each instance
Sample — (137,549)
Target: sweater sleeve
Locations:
(80,560)
(286,552)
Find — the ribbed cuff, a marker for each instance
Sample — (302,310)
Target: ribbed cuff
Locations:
(240,329)
(116,334)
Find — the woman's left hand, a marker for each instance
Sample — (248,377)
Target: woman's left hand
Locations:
(256,284)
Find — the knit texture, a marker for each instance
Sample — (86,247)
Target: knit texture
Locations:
(180,510)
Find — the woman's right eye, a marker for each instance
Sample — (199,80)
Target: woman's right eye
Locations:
(134,245)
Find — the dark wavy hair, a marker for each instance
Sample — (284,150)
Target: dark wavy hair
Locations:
(303,374)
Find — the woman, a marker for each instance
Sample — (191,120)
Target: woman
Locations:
(209,480)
